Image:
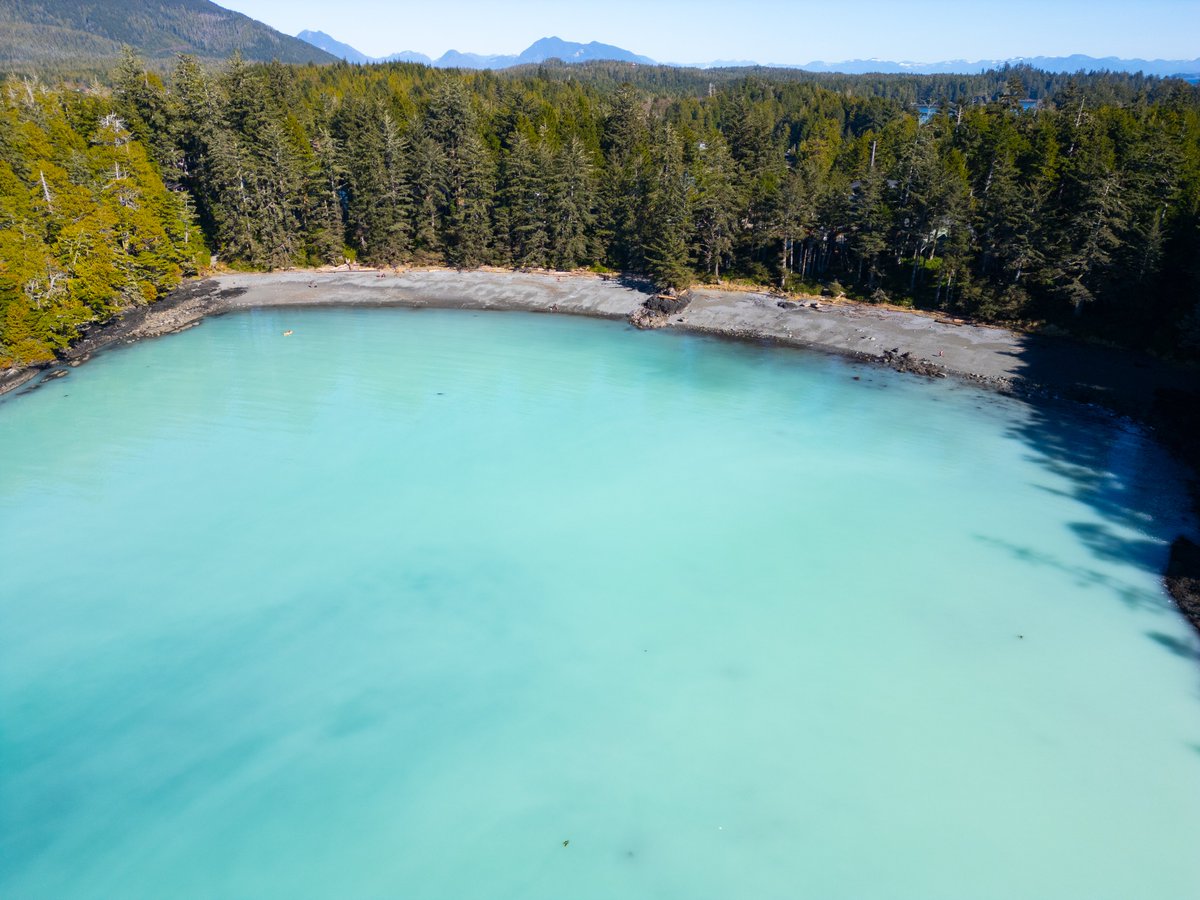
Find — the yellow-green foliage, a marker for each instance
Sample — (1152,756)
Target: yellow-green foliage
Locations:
(87,226)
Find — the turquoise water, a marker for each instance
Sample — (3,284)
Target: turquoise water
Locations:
(400,604)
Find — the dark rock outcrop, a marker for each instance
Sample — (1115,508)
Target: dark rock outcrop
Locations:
(668,304)
(1182,578)
(906,362)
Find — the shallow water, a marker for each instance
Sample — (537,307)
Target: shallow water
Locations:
(399,605)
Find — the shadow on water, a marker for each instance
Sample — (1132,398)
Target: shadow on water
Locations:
(1189,650)
(1108,454)
(1132,596)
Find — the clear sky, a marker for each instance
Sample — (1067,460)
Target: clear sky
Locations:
(767,31)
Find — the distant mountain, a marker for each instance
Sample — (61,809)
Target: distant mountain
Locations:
(408,56)
(62,32)
(569,51)
(537,52)
(452,59)
(335,48)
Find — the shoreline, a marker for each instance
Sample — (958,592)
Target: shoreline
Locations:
(1137,386)
(988,356)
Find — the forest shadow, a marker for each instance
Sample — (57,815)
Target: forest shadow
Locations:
(1095,419)
(1130,595)
(1182,649)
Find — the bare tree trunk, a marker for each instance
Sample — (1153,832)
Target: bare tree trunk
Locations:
(46,190)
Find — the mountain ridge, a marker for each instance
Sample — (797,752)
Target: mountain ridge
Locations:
(55,32)
(571,51)
(539,51)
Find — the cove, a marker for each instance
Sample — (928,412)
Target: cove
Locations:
(442,604)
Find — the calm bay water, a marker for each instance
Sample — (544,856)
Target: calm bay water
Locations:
(396,606)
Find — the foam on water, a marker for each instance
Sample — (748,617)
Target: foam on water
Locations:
(398,605)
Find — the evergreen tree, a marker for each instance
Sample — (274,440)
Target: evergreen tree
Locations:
(667,252)
(716,205)
(625,197)
(326,237)
(528,202)
(572,203)
(429,186)
(379,193)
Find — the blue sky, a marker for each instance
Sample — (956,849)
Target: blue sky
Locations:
(768,31)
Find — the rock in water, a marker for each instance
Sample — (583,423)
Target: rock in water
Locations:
(1183,578)
(646,318)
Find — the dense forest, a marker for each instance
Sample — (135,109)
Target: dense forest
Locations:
(1083,211)
(87,226)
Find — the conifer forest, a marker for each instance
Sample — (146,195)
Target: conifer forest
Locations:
(1015,196)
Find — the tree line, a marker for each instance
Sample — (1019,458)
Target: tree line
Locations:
(1084,211)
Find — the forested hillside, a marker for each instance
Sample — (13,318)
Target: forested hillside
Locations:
(71,35)
(86,225)
(1084,212)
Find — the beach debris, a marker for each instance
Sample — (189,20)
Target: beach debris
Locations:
(566,842)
